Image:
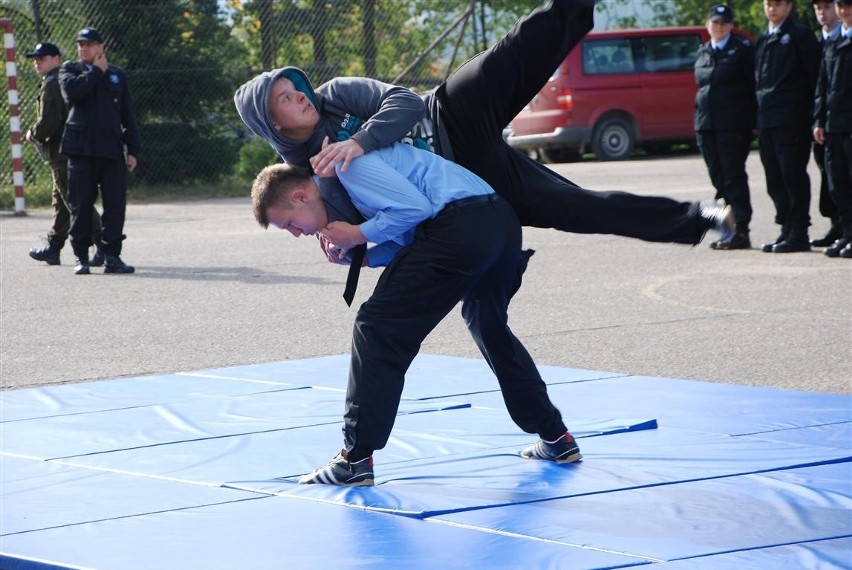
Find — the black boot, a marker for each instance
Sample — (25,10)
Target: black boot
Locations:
(49,253)
(81,252)
(767,247)
(82,267)
(98,258)
(837,247)
(797,240)
(834,234)
(114,264)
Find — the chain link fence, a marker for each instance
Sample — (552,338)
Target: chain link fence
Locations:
(185,58)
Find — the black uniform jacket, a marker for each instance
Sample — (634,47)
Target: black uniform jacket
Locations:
(833,110)
(101,119)
(787,63)
(725,98)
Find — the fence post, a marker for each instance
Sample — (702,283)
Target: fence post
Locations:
(14,116)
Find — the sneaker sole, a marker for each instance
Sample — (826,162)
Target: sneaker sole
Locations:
(570,459)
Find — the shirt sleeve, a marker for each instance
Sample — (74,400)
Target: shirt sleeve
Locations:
(391,204)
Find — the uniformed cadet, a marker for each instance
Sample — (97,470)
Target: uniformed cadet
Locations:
(829,23)
(833,126)
(725,108)
(786,66)
(101,123)
(45,134)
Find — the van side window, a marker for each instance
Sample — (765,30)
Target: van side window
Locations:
(609,56)
(670,53)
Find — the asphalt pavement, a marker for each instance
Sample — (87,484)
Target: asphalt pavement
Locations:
(213,289)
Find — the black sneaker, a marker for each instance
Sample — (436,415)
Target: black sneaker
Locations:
(341,472)
(563,450)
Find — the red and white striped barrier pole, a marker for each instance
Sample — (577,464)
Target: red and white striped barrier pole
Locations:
(14,116)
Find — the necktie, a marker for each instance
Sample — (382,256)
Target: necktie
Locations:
(340,208)
(357,255)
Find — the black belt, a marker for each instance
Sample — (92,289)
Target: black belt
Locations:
(472,201)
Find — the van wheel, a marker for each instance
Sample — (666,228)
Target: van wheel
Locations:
(613,139)
(559,154)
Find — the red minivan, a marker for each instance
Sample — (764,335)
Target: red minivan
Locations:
(615,89)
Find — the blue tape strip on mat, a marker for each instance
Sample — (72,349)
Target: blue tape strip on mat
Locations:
(618,462)
(123,393)
(38,495)
(703,406)
(289,453)
(277,532)
(688,519)
(832,554)
(429,376)
(98,432)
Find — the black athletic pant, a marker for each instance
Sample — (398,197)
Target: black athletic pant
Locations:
(85,175)
(470,252)
(725,154)
(484,95)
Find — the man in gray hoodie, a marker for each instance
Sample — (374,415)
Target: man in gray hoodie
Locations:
(463,120)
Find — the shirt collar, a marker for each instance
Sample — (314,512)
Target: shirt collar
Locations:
(721,44)
(832,33)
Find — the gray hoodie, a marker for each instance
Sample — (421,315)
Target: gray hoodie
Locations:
(373,113)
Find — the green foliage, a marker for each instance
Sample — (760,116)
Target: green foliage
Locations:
(255,154)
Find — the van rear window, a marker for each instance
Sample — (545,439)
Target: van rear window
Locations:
(609,56)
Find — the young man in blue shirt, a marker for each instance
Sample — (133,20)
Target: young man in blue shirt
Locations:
(444,237)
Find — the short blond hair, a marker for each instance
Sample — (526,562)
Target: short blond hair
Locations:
(272,185)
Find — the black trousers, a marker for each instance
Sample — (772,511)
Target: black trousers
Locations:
(838,165)
(470,252)
(485,94)
(725,154)
(85,175)
(827,207)
(59,229)
(785,152)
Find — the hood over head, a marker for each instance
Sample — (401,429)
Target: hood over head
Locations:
(252,102)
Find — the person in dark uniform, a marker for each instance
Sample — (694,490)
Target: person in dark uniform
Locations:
(725,108)
(786,66)
(46,134)
(829,23)
(833,125)
(101,122)
(463,120)
(444,236)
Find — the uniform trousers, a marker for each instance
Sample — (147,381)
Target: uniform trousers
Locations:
(85,175)
(487,92)
(838,163)
(61,226)
(827,207)
(725,154)
(470,252)
(785,152)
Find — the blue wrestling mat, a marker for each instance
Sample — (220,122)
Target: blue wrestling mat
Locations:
(198,471)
